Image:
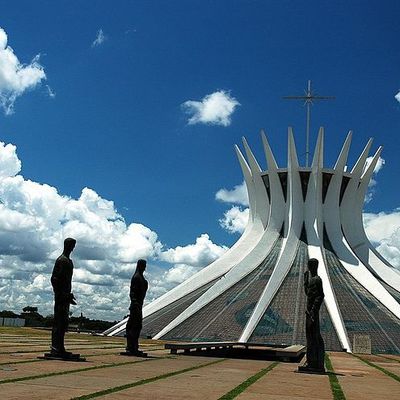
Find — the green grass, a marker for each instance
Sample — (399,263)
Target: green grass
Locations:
(20,362)
(388,358)
(336,389)
(142,382)
(244,385)
(384,370)
(31,377)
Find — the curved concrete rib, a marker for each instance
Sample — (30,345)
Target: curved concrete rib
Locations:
(245,244)
(331,209)
(289,245)
(342,249)
(262,205)
(247,264)
(358,242)
(314,230)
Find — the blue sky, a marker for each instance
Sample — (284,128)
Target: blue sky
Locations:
(109,115)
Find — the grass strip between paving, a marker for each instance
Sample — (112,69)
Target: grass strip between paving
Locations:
(142,382)
(336,389)
(384,370)
(21,362)
(388,358)
(244,385)
(73,371)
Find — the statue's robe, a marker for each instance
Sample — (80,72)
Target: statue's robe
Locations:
(315,343)
(137,294)
(61,280)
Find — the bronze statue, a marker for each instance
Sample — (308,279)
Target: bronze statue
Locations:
(137,294)
(315,297)
(61,280)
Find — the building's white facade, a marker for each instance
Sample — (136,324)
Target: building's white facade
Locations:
(254,292)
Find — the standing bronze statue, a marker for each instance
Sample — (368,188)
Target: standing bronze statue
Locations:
(137,294)
(315,297)
(61,280)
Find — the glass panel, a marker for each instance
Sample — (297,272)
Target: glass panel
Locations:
(225,317)
(155,322)
(362,313)
(284,320)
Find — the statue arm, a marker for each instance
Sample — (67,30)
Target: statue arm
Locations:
(306,281)
(319,298)
(134,288)
(56,277)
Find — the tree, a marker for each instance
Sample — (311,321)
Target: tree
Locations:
(8,314)
(29,309)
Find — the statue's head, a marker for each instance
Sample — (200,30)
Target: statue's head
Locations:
(69,244)
(313,266)
(141,265)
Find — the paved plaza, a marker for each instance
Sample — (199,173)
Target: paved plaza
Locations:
(107,375)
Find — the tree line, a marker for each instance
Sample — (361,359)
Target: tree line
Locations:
(34,319)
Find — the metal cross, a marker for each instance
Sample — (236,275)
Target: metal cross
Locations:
(309,99)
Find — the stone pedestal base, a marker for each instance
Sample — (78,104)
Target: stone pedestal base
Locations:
(63,357)
(133,354)
(308,370)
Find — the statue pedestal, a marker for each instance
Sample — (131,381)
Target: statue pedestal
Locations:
(136,354)
(63,357)
(308,370)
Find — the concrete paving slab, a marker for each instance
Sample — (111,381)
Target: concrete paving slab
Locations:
(362,382)
(392,356)
(393,367)
(210,382)
(284,383)
(42,367)
(359,381)
(24,391)
(67,386)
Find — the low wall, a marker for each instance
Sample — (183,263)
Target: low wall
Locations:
(12,321)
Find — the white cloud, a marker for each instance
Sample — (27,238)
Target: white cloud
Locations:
(10,165)
(214,109)
(100,38)
(397,96)
(50,92)
(16,78)
(34,220)
(383,229)
(199,254)
(238,195)
(372,183)
(235,219)
(379,165)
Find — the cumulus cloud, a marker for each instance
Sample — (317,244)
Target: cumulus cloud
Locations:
(397,96)
(34,220)
(379,165)
(238,195)
(100,38)
(235,219)
(214,109)
(15,77)
(372,183)
(383,229)
(199,254)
